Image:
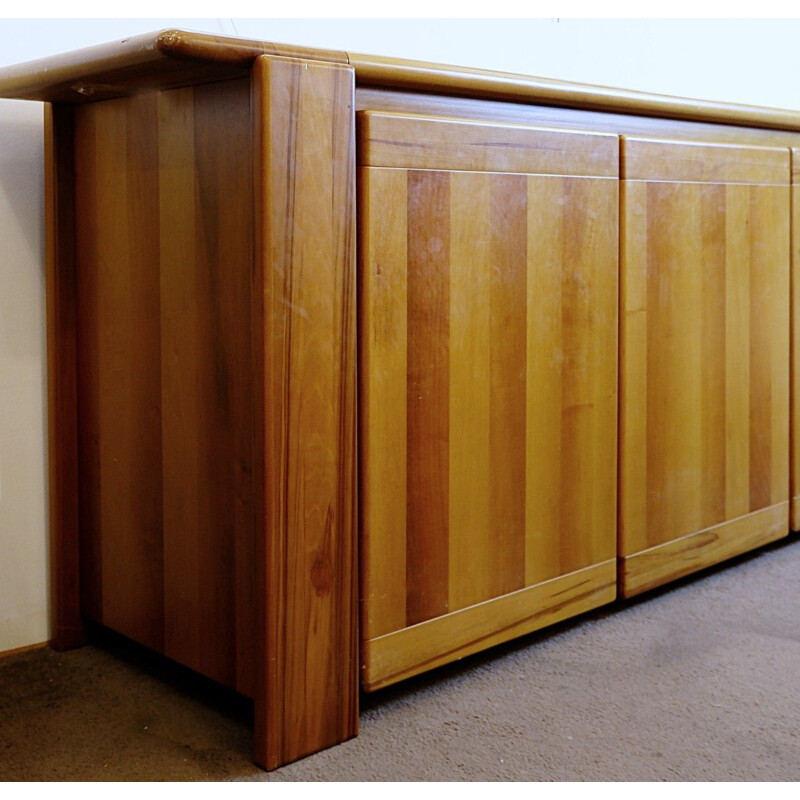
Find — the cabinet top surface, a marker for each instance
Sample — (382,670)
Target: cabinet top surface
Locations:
(174,58)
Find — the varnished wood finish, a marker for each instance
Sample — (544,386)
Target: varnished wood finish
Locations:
(667,160)
(410,651)
(164,268)
(206,256)
(705,336)
(173,58)
(794,469)
(657,565)
(307,689)
(202,356)
(419,103)
(165,59)
(411,141)
(488,378)
(454,81)
(67,629)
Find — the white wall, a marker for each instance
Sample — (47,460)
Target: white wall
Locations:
(746,61)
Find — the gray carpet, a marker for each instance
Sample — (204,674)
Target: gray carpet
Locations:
(700,681)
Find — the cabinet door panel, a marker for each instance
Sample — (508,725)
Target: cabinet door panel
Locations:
(704,369)
(488,386)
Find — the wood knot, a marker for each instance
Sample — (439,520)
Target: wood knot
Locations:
(322,574)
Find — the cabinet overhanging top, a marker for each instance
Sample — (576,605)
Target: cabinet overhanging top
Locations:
(174,58)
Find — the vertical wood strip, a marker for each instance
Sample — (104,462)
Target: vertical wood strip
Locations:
(673,362)
(543,379)
(224,255)
(120,379)
(471,547)
(737,352)
(712,270)
(184,514)
(206,257)
(508,337)
(88,367)
(589,347)
(600,255)
(769,345)
(760,354)
(88,360)
(62,399)
(306,690)
(634,383)
(578,406)
(383,400)
(428,394)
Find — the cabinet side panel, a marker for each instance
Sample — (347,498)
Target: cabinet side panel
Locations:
(206,253)
(117,233)
(165,267)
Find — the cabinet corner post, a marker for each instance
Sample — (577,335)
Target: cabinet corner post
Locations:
(306,696)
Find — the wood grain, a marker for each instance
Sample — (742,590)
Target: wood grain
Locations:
(62,399)
(166,59)
(117,234)
(173,58)
(428,418)
(206,252)
(703,371)
(383,401)
(165,373)
(411,141)
(667,160)
(677,558)
(307,684)
(506,286)
(372,99)
(430,644)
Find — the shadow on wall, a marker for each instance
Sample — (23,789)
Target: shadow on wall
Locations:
(21,227)
(23,456)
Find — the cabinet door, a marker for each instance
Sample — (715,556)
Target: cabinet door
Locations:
(488,365)
(705,355)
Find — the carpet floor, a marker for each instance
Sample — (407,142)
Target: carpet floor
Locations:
(698,681)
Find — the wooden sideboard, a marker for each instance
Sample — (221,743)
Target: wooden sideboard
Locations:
(359,365)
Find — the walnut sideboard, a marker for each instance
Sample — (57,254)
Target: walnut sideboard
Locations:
(358,366)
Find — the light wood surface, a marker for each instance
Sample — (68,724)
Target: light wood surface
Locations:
(166,59)
(411,141)
(307,687)
(165,264)
(667,160)
(67,628)
(430,644)
(657,565)
(488,382)
(705,335)
(174,58)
